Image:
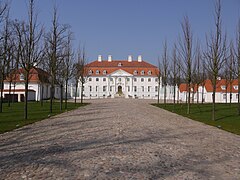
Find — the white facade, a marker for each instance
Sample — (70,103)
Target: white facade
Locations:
(122,78)
(37,91)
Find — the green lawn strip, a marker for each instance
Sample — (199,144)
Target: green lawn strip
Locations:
(226,115)
(13,116)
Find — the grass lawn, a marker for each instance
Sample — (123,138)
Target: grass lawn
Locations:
(13,116)
(226,115)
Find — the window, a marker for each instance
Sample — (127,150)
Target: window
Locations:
(110,88)
(135,79)
(149,87)
(224,96)
(119,64)
(149,79)
(119,79)
(223,87)
(104,72)
(142,72)
(104,88)
(104,79)
(128,79)
(135,88)
(156,79)
(111,79)
(90,88)
(22,77)
(90,72)
(142,88)
(128,88)
(97,71)
(90,79)
(97,79)
(96,88)
(142,79)
(149,72)
(156,88)
(135,72)
(235,87)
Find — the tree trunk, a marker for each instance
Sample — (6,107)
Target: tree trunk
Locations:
(174,97)
(41,97)
(165,95)
(66,91)
(10,88)
(75,101)
(213,98)
(26,99)
(61,96)
(189,98)
(1,97)
(82,92)
(202,93)
(158,91)
(51,98)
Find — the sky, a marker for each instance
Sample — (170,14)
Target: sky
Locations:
(131,27)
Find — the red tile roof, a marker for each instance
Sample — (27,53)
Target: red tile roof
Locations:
(129,67)
(220,85)
(36,75)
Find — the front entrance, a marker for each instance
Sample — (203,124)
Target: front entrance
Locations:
(120,90)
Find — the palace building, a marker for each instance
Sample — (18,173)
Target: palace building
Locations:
(122,78)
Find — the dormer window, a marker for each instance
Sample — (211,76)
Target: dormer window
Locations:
(90,72)
(149,72)
(142,72)
(235,87)
(104,72)
(21,77)
(223,87)
(97,71)
(135,72)
(119,64)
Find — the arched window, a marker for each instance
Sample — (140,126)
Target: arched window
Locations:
(135,72)
(104,72)
(90,72)
(21,77)
(142,72)
(149,72)
(97,71)
(119,64)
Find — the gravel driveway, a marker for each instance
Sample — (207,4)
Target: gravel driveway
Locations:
(119,139)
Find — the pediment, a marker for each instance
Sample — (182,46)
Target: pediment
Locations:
(120,72)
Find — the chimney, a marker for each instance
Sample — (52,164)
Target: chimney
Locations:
(130,58)
(109,58)
(139,58)
(99,58)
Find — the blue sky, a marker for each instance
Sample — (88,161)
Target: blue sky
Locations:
(124,27)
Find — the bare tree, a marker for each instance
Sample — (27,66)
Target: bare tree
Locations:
(215,54)
(197,80)
(158,72)
(29,37)
(238,63)
(174,73)
(5,56)
(81,73)
(68,64)
(165,70)
(54,47)
(186,46)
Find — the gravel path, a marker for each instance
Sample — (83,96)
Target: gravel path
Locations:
(119,139)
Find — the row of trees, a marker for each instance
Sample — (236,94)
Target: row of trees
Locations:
(26,44)
(191,64)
